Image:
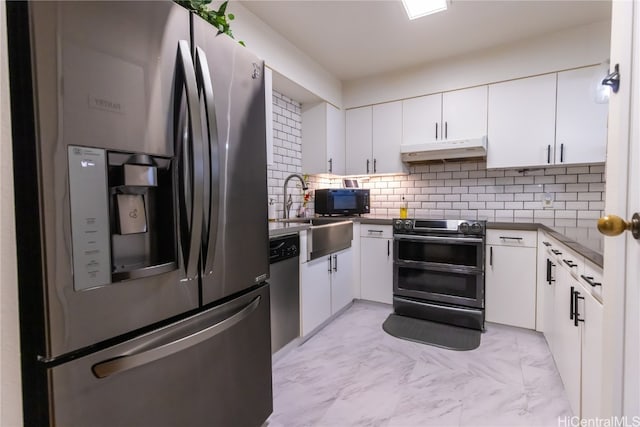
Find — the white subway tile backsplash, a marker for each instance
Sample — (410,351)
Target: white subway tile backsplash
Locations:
(577,187)
(504,197)
(486,197)
(590,177)
(546,179)
(566,196)
(590,196)
(578,169)
(523,197)
(509,180)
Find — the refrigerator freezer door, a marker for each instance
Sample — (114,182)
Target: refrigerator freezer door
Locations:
(236,245)
(213,369)
(104,73)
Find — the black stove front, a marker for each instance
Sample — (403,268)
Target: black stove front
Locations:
(438,270)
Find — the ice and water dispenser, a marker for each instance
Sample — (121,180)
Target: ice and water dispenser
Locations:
(122,216)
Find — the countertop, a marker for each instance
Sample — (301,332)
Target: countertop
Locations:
(277,228)
(586,241)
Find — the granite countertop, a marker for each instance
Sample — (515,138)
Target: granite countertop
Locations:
(586,241)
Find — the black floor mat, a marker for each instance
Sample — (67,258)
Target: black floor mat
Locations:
(432,333)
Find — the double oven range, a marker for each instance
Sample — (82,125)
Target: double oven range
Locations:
(438,270)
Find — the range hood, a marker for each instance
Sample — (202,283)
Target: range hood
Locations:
(476,147)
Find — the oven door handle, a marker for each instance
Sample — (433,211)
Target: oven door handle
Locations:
(439,239)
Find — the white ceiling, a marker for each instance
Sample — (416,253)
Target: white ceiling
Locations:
(354,39)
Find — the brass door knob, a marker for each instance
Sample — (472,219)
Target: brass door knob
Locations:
(612,225)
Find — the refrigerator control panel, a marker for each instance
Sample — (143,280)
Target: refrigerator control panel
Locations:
(88,193)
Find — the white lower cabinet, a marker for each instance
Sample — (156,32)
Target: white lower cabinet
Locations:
(315,293)
(376,269)
(567,347)
(341,280)
(592,358)
(510,278)
(573,325)
(325,288)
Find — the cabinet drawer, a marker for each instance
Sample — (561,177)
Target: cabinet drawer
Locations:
(570,260)
(591,279)
(519,238)
(374,230)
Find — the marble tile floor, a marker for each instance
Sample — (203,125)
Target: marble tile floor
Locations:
(352,373)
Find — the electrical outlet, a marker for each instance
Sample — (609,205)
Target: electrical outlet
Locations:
(547,200)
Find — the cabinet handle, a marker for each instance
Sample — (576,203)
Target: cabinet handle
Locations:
(556,252)
(367,165)
(388,248)
(549,153)
(590,281)
(491,256)
(561,153)
(329,264)
(335,263)
(375,167)
(550,265)
(571,302)
(569,263)
(576,315)
(330,165)
(436,130)
(547,244)
(510,238)
(374,231)
(446,133)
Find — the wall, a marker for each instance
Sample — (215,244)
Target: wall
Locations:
(10,385)
(287,152)
(584,45)
(283,56)
(287,157)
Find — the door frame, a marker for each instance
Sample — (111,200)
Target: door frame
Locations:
(621,340)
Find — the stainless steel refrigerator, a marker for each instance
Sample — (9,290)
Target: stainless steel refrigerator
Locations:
(140,173)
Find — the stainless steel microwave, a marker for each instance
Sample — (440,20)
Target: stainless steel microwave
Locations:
(341,201)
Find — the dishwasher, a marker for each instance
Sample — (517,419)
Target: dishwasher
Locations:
(285,290)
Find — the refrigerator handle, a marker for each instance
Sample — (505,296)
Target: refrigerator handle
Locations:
(212,163)
(124,363)
(191,173)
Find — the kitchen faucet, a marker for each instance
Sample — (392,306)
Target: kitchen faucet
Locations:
(287,203)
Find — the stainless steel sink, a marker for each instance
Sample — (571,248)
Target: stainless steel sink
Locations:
(326,235)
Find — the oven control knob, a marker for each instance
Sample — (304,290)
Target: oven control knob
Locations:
(464,227)
(407,225)
(398,224)
(476,228)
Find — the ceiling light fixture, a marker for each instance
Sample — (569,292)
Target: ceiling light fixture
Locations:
(418,8)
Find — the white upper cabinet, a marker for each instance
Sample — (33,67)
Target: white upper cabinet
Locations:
(581,128)
(358,140)
(421,119)
(335,140)
(373,137)
(387,137)
(464,113)
(460,114)
(323,148)
(521,122)
(546,120)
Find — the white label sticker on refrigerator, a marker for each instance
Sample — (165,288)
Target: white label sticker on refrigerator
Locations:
(88,193)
